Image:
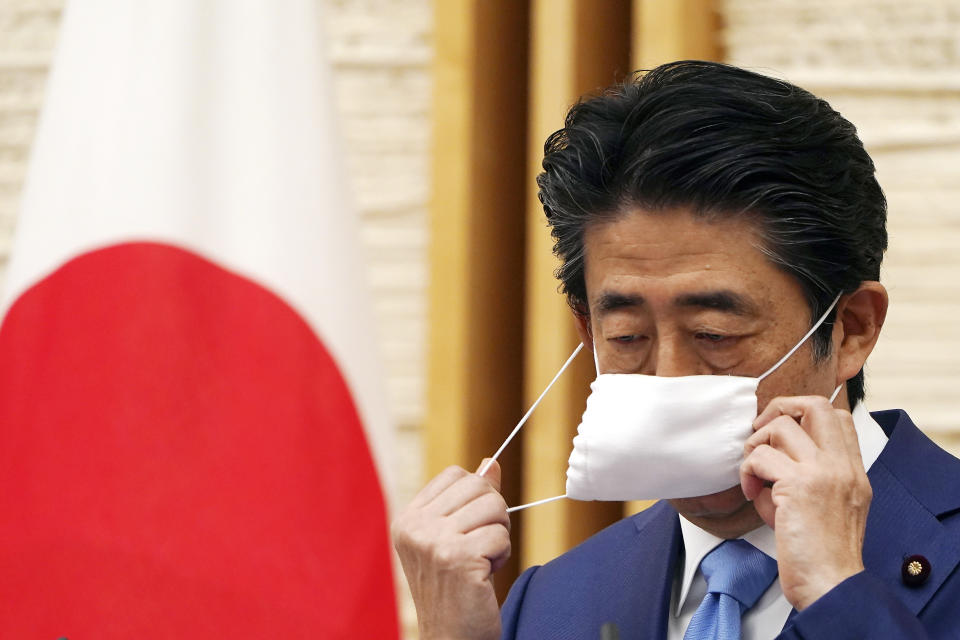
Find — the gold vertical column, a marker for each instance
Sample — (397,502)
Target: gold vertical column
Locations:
(577,46)
(474,394)
(667,30)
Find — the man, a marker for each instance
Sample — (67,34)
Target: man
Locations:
(706,217)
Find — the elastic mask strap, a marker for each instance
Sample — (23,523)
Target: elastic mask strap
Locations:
(804,339)
(534,504)
(835,393)
(523,420)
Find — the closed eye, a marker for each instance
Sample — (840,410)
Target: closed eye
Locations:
(713,338)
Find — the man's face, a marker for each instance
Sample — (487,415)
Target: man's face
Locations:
(673,295)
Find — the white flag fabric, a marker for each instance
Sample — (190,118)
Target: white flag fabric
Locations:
(195,442)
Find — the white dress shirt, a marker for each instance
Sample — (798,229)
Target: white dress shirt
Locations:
(766,619)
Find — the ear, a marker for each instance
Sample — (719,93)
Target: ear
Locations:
(581,320)
(859,319)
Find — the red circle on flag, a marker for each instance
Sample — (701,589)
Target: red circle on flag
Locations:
(181,458)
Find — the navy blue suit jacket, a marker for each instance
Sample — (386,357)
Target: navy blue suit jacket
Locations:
(624,574)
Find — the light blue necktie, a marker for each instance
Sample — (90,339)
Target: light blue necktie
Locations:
(737,574)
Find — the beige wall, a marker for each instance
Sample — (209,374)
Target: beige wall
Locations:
(28,30)
(893,69)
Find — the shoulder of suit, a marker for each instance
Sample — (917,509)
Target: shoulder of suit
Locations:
(622,532)
(927,470)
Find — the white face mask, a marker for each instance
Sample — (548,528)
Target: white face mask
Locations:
(645,437)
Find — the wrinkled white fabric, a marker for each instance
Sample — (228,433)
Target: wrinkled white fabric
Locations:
(645,437)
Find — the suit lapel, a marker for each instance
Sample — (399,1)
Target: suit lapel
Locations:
(657,554)
(911,482)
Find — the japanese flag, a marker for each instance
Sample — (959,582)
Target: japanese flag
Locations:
(192,433)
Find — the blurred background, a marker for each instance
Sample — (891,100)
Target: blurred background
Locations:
(443,107)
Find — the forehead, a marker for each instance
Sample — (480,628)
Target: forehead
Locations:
(672,254)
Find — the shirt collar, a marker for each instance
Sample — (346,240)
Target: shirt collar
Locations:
(697,543)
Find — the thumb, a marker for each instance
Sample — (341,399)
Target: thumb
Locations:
(493,473)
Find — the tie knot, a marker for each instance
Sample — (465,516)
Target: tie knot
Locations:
(740,570)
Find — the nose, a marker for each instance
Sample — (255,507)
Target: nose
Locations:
(672,357)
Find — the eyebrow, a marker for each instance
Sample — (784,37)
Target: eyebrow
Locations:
(723,300)
(611,301)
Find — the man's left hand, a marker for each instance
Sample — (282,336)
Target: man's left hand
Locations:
(803,471)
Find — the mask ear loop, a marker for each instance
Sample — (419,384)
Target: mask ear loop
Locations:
(523,420)
(535,503)
(520,424)
(836,392)
(802,340)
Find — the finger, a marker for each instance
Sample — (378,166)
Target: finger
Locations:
(751,486)
(850,439)
(766,464)
(492,542)
(794,406)
(458,494)
(784,434)
(438,485)
(490,508)
(493,473)
(763,503)
(814,413)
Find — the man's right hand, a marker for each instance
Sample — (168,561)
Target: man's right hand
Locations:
(451,539)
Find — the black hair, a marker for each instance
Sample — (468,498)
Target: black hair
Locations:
(722,141)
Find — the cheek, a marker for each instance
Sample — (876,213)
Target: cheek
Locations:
(798,376)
